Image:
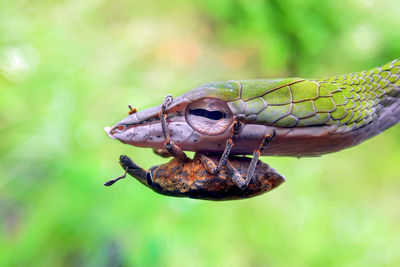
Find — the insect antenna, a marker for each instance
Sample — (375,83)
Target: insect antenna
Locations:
(113,181)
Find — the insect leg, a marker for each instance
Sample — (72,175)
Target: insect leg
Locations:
(256,154)
(170,146)
(224,157)
(227,150)
(235,175)
(208,163)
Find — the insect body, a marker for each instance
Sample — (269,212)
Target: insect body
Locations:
(191,179)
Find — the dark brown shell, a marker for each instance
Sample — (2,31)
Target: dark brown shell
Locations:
(191,179)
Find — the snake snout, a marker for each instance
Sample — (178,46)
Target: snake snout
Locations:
(108,132)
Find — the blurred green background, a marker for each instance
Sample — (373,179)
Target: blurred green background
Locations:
(69,68)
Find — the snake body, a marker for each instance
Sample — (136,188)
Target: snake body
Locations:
(310,116)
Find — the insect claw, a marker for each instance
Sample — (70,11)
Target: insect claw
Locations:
(167,101)
(267,139)
(236,126)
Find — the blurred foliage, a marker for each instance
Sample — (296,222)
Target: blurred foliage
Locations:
(69,68)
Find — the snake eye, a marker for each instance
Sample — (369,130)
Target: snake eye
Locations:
(209,116)
(212,115)
(118,129)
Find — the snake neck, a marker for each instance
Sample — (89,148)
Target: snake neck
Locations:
(372,97)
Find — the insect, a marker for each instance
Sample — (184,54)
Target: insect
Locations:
(191,179)
(294,116)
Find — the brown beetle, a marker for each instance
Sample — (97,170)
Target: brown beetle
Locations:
(190,178)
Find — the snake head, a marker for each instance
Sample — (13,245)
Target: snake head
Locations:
(199,118)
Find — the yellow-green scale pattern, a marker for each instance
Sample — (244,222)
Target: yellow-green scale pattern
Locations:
(350,101)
